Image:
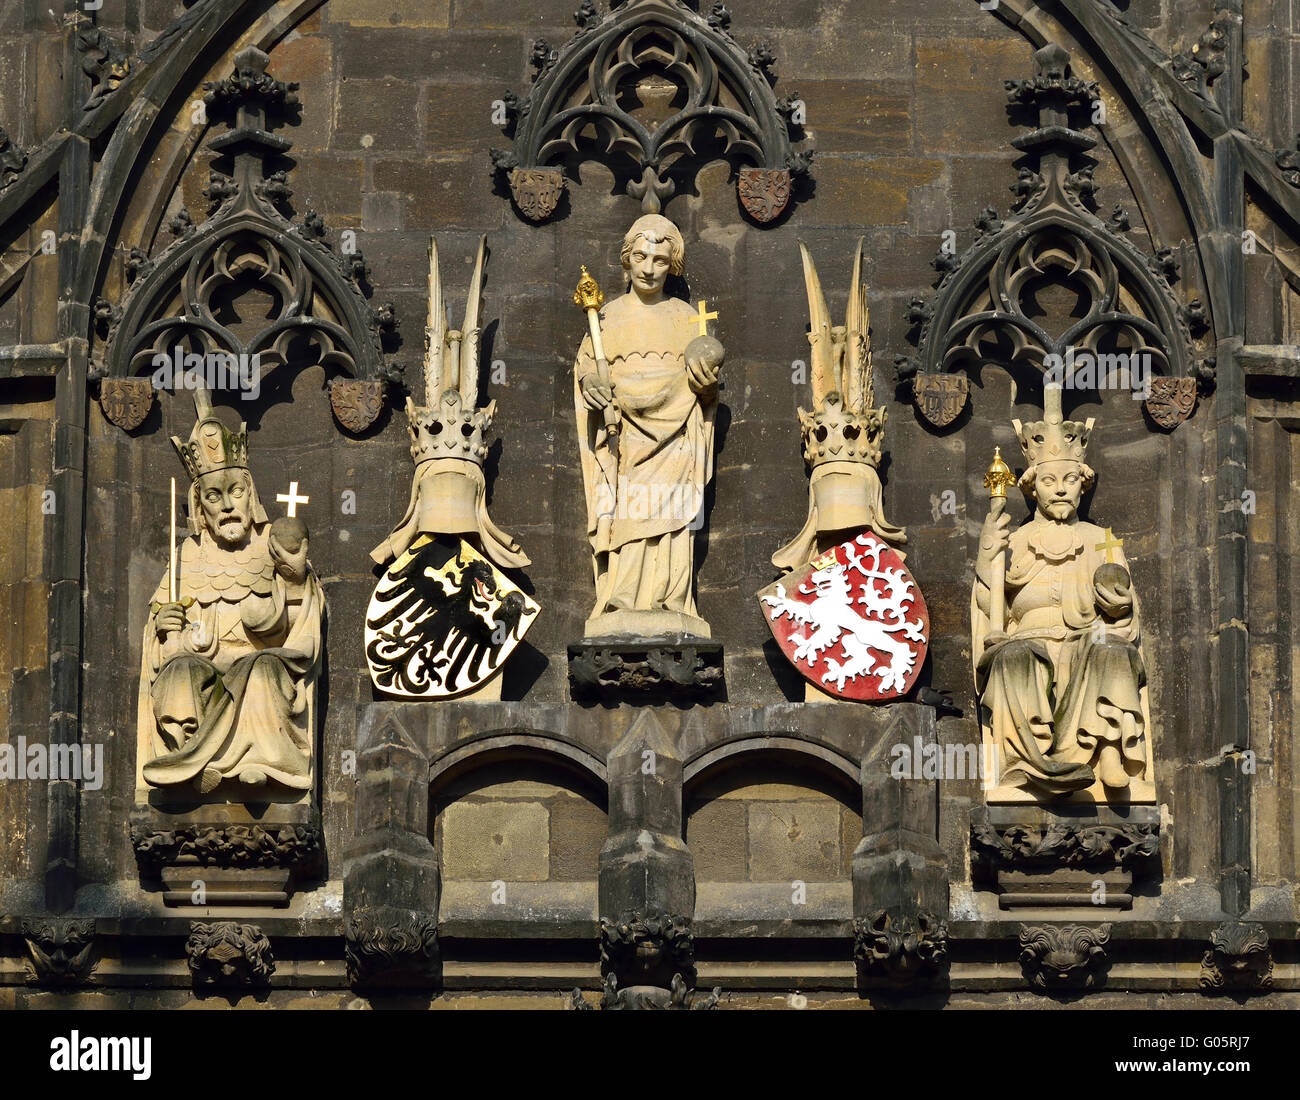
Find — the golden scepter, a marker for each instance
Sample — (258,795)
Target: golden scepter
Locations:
(589,298)
(996,481)
(171,551)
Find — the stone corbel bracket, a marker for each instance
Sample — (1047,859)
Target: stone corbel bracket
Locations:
(1067,958)
(900,952)
(229,955)
(391,948)
(61,951)
(655,44)
(1239,960)
(689,669)
(247,242)
(1054,231)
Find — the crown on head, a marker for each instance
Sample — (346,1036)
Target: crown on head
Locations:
(212,446)
(449,430)
(837,434)
(1053,438)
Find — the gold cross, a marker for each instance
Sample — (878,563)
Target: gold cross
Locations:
(1109,545)
(704,318)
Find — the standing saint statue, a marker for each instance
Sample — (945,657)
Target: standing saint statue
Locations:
(646,388)
(232,646)
(1056,634)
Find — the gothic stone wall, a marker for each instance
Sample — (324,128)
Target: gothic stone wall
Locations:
(906,108)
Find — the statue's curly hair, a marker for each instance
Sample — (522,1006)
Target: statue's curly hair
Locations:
(1030,477)
(656,228)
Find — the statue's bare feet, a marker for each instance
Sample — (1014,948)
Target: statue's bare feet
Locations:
(208,780)
(254,777)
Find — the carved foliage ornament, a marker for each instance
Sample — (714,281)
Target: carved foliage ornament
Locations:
(309,307)
(648,950)
(12,160)
(387,947)
(1128,329)
(643,85)
(1021,847)
(898,949)
(227,845)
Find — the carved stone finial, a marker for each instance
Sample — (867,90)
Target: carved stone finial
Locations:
(228,954)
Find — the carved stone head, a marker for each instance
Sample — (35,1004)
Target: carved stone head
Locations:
(653,249)
(226,500)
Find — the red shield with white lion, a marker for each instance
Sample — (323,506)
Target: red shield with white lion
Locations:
(853,622)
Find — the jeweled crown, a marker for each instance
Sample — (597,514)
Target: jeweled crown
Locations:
(836,434)
(1053,438)
(449,430)
(212,446)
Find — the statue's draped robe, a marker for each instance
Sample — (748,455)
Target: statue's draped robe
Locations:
(1068,679)
(645,503)
(236,692)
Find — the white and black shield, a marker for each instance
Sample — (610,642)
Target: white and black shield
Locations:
(443,620)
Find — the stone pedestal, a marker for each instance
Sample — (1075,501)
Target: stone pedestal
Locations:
(227,855)
(674,666)
(1066,856)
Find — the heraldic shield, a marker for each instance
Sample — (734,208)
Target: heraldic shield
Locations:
(443,620)
(853,622)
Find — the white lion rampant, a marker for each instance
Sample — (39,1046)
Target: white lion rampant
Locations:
(834,619)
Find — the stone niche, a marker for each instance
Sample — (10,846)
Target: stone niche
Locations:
(761,826)
(517,834)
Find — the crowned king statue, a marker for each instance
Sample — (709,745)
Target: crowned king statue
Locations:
(1056,634)
(232,646)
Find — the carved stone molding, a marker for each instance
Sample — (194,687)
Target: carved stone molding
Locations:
(900,950)
(392,948)
(648,950)
(678,997)
(61,951)
(660,50)
(287,845)
(1135,847)
(1054,236)
(228,954)
(690,668)
(180,298)
(1239,959)
(1063,958)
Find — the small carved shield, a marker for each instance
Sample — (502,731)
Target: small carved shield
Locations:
(1171,401)
(537,191)
(356,402)
(126,401)
(764,192)
(940,397)
(443,620)
(853,622)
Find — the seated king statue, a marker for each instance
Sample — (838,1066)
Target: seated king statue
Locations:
(1056,635)
(232,648)
(645,388)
